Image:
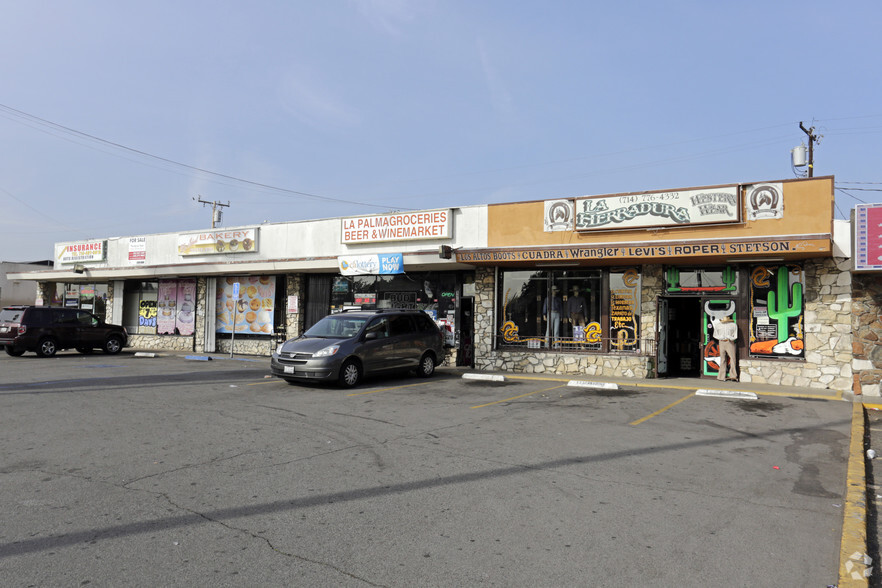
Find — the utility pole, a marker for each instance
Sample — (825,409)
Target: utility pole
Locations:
(813,138)
(216,212)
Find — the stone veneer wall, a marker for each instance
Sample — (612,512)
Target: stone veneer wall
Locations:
(867,324)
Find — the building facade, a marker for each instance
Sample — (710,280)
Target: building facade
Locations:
(630,284)
(623,285)
(243,289)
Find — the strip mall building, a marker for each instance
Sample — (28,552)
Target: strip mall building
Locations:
(622,285)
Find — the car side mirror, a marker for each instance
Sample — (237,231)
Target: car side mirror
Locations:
(370,336)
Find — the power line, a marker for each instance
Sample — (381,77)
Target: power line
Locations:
(68,130)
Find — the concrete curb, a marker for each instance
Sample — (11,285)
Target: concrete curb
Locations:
(853,568)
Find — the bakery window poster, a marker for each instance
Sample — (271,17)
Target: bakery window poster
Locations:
(252,313)
(176,307)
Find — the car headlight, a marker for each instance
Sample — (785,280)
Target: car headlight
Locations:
(327,351)
(279,348)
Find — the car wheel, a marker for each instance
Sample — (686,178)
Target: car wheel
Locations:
(10,350)
(47,347)
(113,345)
(427,366)
(350,374)
(84,350)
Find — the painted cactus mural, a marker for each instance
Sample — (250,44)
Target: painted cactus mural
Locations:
(776,326)
(785,302)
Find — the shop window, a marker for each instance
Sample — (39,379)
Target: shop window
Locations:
(777,320)
(249,313)
(176,307)
(90,297)
(624,310)
(696,280)
(431,292)
(139,307)
(551,309)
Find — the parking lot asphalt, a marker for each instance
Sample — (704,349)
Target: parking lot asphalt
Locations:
(855,539)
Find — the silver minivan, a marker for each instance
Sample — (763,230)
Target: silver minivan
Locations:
(347,346)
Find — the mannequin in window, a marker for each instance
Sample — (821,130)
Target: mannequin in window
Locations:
(551,312)
(576,310)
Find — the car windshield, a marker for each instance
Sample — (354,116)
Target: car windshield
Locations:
(340,326)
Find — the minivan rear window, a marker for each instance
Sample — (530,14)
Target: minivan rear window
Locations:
(11,315)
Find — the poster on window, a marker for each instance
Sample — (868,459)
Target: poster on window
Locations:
(185,320)
(776,311)
(147,313)
(252,312)
(176,307)
(624,310)
(166,306)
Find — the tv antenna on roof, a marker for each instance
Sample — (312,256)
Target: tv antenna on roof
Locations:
(216,210)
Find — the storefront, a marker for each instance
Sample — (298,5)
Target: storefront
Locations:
(243,289)
(625,285)
(629,284)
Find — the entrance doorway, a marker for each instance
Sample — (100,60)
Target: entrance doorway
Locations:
(679,337)
(686,344)
(466,339)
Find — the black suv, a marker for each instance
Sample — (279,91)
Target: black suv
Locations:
(48,329)
(351,344)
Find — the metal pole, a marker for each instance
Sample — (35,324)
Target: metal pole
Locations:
(811,152)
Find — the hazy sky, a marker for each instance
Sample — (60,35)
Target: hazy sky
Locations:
(115,115)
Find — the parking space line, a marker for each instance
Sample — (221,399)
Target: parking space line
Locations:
(521,396)
(658,412)
(387,389)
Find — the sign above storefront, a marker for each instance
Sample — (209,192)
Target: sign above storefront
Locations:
(137,250)
(371,265)
(218,242)
(410,226)
(614,252)
(868,237)
(682,208)
(80,252)
(765,201)
(558,215)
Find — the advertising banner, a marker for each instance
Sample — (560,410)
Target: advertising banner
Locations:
(376,265)
(137,250)
(430,224)
(868,237)
(80,252)
(252,312)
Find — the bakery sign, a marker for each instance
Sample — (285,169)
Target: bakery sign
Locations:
(218,241)
(400,226)
(681,208)
(83,251)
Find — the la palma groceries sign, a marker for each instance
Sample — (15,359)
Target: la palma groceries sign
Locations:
(406,226)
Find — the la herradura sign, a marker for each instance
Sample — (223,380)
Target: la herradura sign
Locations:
(658,209)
